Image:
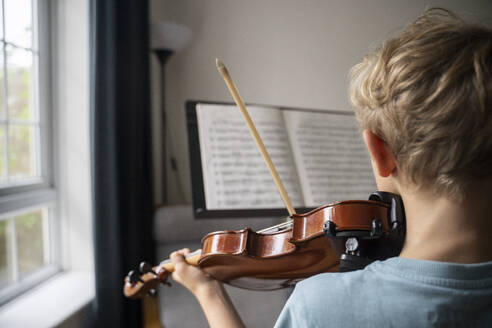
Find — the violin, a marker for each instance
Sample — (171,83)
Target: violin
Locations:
(342,236)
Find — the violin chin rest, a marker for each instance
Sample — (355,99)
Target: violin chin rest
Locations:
(353,262)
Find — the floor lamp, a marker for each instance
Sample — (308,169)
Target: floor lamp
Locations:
(166,39)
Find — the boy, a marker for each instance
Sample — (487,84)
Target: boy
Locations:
(424,102)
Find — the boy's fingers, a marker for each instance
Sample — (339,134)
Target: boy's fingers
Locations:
(176,257)
(183,251)
(175,276)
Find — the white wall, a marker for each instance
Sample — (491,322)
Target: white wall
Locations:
(279,52)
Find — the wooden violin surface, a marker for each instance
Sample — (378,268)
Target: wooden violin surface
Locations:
(278,257)
(252,260)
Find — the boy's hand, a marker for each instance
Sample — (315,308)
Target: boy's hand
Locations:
(215,302)
(192,277)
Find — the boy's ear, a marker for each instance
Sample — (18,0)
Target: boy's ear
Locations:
(382,157)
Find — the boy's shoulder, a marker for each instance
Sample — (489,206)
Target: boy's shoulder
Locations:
(336,284)
(395,292)
(402,274)
(327,298)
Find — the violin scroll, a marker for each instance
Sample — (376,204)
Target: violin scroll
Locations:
(147,278)
(144,281)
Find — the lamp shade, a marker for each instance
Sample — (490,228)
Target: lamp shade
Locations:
(169,36)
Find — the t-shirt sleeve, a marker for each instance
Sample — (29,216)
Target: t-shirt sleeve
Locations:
(293,314)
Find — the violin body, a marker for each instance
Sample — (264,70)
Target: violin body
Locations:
(342,236)
(267,261)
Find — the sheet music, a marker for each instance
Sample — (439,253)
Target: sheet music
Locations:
(235,174)
(332,161)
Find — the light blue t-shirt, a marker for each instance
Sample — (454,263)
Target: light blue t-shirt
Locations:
(397,292)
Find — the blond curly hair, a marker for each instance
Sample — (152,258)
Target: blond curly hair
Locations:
(428,94)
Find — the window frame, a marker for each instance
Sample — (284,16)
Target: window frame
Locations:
(43,192)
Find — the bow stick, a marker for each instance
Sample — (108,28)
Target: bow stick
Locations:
(239,102)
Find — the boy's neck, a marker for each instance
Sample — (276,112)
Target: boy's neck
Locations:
(439,229)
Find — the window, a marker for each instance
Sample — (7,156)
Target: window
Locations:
(27,196)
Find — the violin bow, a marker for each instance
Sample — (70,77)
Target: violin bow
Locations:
(252,128)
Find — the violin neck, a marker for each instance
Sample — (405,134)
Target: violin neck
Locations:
(191,258)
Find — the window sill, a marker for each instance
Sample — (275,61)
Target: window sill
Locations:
(51,303)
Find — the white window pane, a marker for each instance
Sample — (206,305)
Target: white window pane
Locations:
(22,152)
(2,83)
(30,241)
(25,222)
(18,22)
(3,154)
(6,253)
(1,20)
(19,80)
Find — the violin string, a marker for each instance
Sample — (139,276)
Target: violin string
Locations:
(281,225)
(164,262)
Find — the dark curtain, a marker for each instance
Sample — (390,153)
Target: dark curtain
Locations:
(121,153)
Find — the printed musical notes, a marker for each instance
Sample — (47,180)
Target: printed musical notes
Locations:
(319,156)
(331,157)
(235,175)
